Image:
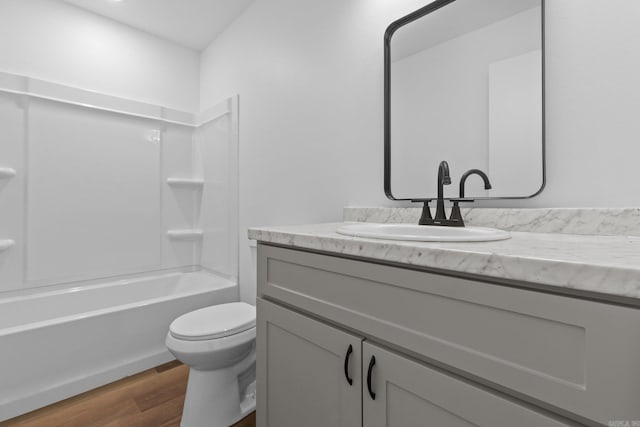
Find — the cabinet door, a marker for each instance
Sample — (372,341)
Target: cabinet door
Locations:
(303,370)
(410,394)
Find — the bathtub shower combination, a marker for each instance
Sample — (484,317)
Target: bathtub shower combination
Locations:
(116,217)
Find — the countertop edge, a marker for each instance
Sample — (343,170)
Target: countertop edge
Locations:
(596,279)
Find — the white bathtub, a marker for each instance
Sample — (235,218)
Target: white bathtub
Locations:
(56,344)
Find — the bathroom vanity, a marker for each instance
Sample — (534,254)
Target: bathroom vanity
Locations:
(539,330)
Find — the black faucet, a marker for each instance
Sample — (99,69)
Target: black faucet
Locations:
(467,174)
(444,178)
(455,210)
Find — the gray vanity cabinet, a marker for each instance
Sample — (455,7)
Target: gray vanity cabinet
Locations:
(525,354)
(408,393)
(304,382)
(302,371)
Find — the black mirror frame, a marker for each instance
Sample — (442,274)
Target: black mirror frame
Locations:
(391,29)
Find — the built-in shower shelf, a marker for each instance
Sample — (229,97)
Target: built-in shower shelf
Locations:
(7,173)
(6,244)
(190,234)
(186,182)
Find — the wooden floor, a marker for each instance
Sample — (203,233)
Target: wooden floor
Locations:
(152,398)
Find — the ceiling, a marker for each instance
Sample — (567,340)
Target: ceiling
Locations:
(191,23)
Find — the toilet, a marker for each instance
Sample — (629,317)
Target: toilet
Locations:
(218,345)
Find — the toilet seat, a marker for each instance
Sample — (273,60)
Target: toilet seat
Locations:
(214,322)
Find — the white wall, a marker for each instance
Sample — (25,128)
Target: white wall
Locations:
(592,104)
(54,41)
(309,75)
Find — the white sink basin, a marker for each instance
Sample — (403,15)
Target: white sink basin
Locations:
(423,233)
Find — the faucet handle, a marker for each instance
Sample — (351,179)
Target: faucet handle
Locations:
(456,215)
(426,218)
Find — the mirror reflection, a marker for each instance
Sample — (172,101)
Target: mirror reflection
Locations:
(466,87)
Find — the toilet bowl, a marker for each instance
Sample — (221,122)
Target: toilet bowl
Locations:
(218,345)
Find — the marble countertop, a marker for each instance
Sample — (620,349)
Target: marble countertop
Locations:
(607,265)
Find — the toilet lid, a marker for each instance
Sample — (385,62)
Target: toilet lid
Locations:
(213,322)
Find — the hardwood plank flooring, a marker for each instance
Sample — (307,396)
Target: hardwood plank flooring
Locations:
(152,398)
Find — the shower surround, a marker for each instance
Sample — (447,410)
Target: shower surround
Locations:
(98,189)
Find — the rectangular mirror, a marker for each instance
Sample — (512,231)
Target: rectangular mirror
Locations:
(464,84)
